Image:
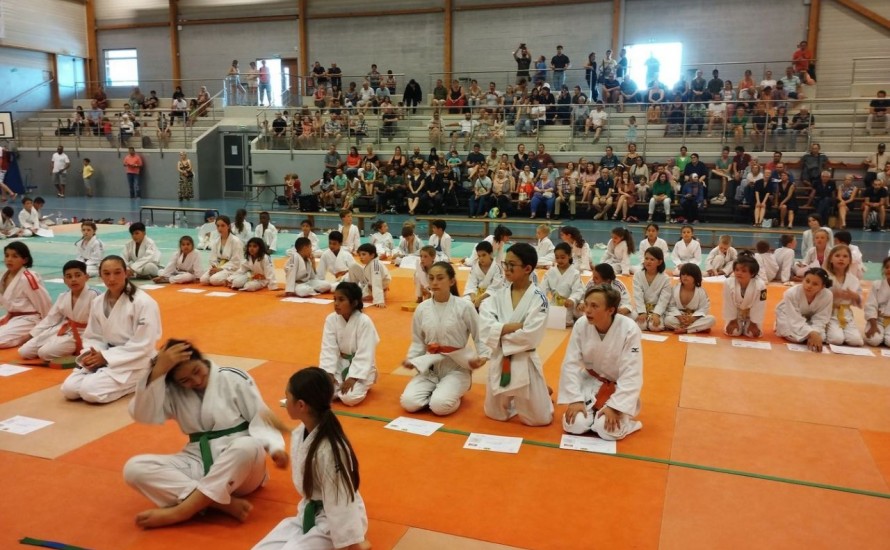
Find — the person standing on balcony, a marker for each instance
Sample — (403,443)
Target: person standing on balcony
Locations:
(265,79)
(559,63)
(236,90)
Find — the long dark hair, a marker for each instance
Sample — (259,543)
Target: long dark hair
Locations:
(240,216)
(129,287)
(314,387)
(261,248)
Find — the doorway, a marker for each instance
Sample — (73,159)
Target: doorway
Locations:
(237,163)
(290,82)
(274,66)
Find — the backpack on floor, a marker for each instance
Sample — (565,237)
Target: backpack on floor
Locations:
(872,221)
(308,203)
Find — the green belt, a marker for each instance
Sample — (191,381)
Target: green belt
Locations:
(313,507)
(203,439)
(345,372)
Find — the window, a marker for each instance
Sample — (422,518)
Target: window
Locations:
(121,68)
(659,60)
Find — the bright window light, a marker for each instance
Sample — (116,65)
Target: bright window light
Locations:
(663,59)
(121,68)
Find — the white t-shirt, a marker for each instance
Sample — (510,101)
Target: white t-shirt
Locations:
(770,83)
(467,126)
(60,162)
(598,117)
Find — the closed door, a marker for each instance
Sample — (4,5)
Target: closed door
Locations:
(235,163)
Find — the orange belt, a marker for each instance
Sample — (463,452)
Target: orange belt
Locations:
(75,327)
(438,348)
(886,321)
(12,314)
(605,391)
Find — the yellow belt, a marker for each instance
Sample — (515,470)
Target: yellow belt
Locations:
(559,300)
(480,291)
(650,307)
(841,311)
(886,322)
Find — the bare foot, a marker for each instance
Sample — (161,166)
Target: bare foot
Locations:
(238,508)
(160,517)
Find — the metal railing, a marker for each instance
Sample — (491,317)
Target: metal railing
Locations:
(870,70)
(164,87)
(18,97)
(836,121)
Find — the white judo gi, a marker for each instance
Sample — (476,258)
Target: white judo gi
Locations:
(624,303)
(796,318)
(26,302)
(348,350)
(442,245)
(441,381)
(479,282)
(300,277)
(747,309)
(721,262)
(146,261)
(545,249)
(207,236)
(616,255)
(592,361)
(351,238)
(499,251)
(227,257)
(254,275)
(335,263)
(384,244)
(233,463)
(339,522)
(842,328)
(29,221)
(877,306)
(806,240)
(59,334)
(126,336)
(373,278)
(91,253)
(516,384)
(8,229)
(564,286)
(784,258)
(183,270)
(269,234)
(581,257)
(699,306)
(245,233)
(686,253)
(769,268)
(421,283)
(407,249)
(651,298)
(646,245)
(810,259)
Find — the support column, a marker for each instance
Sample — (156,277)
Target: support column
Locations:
(813,25)
(54,85)
(448,24)
(302,25)
(92,61)
(174,43)
(616,27)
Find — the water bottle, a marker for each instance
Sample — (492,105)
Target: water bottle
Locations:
(179,220)
(59,217)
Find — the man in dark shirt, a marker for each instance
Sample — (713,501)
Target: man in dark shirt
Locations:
(698,86)
(321,75)
(558,64)
(279,129)
(812,165)
(475,157)
(874,198)
(602,199)
(695,168)
(715,85)
(523,62)
(824,194)
(877,110)
(434,188)
(334,72)
(609,161)
(543,156)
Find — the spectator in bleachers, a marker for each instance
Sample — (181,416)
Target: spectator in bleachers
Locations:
(716,114)
(235,88)
(94,116)
(440,94)
(590,75)
(875,163)
(320,74)
(696,113)
(874,199)
(698,87)
(398,160)
(580,113)
(846,195)
(596,122)
(747,87)
(802,59)
(537,114)
(333,130)
(435,130)
(466,129)
(152,101)
(662,193)
(319,97)
(351,97)
(778,127)
(723,170)
(163,130)
(563,112)
(611,88)
(768,80)
(681,90)
(627,94)
(253,77)
(335,74)
(540,70)
(366,97)
(179,108)
(412,96)
(101,98)
(79,124)
(791,83)
(544,192)
(136,100)
(693,198)
(801,124)
(738,124)
(823,195)
(523,62)
(374,77)
(608,66)
(715,85)
(125,129)
(603,194)
(759,129)
(475,95)
(389,118)
(609,160)
(203,101)
(481,192)
(729,97)
(779,95)
(877,111)
(675,114)
(740,163)
(559,63)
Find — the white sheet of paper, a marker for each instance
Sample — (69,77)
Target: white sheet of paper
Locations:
(588,444)
(850,350)
(885,353)
(414,426)
(653,337)
(150,287)
(22,425)
(804,348)
(192,290)
(753,344)
(320,301)
(461,356)
(409,262)
(714,279)
(586,273)
(221,294)
(9,370)
(59,281)
(386,262)
(556,317)
(47,233)
(493,443)
(464,268)
(690,339)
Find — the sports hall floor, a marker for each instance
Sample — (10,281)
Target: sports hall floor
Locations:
(741,448)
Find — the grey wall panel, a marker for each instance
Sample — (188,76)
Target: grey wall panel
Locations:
(20,70)
(410,44)
(836,51)
(714,32)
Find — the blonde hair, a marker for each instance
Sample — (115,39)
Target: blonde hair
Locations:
(725,239)
(545,228)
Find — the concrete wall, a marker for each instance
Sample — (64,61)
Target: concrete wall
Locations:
(20,70)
